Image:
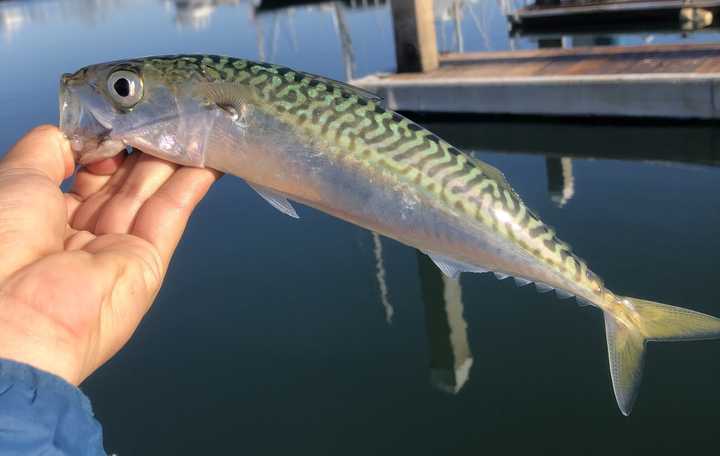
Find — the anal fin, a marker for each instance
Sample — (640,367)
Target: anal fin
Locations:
(276,200)
(453,268)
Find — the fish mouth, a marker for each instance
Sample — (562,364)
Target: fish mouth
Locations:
(89,133)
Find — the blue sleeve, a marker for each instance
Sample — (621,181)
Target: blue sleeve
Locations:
(42,414)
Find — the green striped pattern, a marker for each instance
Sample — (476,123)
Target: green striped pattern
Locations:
(356,127)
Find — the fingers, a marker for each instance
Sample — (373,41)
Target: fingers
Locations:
(90,179)
(107,167)
(146,177)
(93,177)
(94,191)
(43,150)
(78,240)
(147,197)
(163,217)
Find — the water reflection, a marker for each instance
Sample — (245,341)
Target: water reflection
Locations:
(197,13)
(380,276)
(450,355)
(15,15)
(446,328)
(343,32)
(561,184)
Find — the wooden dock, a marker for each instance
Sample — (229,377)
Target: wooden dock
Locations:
(670,81)
(552,13)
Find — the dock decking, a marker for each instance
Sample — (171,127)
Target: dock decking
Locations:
(674,81)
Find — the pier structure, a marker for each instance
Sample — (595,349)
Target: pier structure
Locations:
(679,81)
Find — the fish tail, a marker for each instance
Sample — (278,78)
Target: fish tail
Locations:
(627,335)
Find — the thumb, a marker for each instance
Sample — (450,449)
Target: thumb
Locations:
(33,213)
(43,150)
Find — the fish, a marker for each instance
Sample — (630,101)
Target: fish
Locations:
(299,137)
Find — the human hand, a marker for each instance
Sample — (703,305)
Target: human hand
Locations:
(79,270)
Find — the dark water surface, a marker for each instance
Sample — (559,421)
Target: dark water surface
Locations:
(271,335)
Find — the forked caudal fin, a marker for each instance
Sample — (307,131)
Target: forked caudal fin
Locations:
(626,341)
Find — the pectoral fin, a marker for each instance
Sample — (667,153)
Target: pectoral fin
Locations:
(276,200)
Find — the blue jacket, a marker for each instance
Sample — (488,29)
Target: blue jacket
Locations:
(42,414)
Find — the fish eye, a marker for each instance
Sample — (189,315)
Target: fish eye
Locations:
(125,88)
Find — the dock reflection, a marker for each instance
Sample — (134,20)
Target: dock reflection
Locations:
(663,141)
(561,184)
(380,276)
(450,355)
(562,141)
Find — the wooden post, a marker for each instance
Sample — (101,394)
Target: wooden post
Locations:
(415,41)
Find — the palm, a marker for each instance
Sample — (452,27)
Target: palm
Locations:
(97,255)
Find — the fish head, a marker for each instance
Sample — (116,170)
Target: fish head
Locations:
(107,107)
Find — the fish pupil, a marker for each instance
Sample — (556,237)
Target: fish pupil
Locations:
(122,87)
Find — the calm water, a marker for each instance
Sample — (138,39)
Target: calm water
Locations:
(276,336)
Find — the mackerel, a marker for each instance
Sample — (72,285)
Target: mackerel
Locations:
(296,136)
